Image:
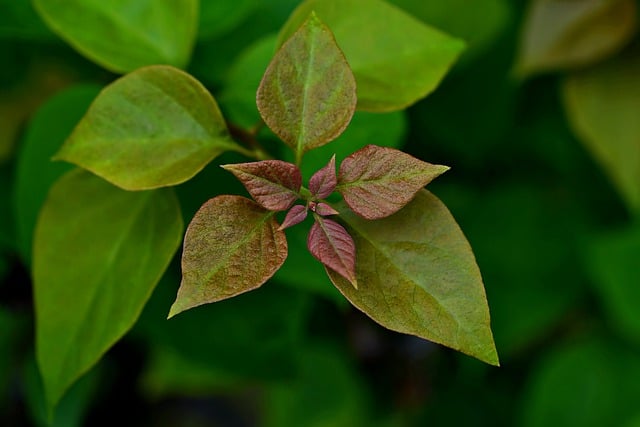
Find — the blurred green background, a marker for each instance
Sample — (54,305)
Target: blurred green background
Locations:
(540,122)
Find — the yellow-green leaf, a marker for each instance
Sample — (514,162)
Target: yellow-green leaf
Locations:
(603,106)
(559,34)
(122,35)
(98,253)
(417,275)
(155,127)
(396,59)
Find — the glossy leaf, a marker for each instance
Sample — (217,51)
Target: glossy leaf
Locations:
(332,245)
(396,59)
(274,184)
(378,181)
(119,243)
(561,34)
(296,215)
(121,35)
(155,127)
(417,275)
(324,181)
(602,104)
(308,93)
(232,245)
(35,172)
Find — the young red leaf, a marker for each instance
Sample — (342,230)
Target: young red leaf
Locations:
(322,209)
(308,93)
(232,245)
(324,181)
(330,244)
(274,184)
(296,215)
(378,181)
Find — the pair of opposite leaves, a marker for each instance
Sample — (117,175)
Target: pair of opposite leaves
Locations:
(307,97)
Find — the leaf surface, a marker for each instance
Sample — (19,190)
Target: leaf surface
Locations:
(396,59)
(602,104)
(561,34)
(324,181)
(332,245)
(308,93)
(274,184)
(122,35)
(98,253)
(155,127)
(378,181)
(296,215)
(232,245)
(417,275)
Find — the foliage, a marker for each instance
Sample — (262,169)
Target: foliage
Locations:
(322,114)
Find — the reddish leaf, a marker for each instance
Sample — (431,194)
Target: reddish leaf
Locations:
(330,244)
(378,181)
(232,246)
(296,215)
(324,182)
(323,209)
(274,184)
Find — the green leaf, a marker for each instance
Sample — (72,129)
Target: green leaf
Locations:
(155,127)
(612,261)
(18,19)
(417,275)
(308,93)
(559,34)
(35,172)
(589,383)
(602,104)
(395,58)
(119,244)
(220,16)
(122,35)
(232,246)
(378,181)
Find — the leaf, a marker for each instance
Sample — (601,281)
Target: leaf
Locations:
(602,104)
(612,261)
(322,209)
(324,181)
(119,244)
(219,17)
(232,246)
(35,172)
(378,181)
(121,35)
(308,94)
(296,215)
(417,275)
(332,245)
(561,34)
(274,184)
(155,127)
(395,58)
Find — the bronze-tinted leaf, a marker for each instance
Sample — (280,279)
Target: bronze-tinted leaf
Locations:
(378,181)
(324,181)
(417,275)
(323,209)
(332,245)
(308,93)
(274,184)
(296,215)
(232,246)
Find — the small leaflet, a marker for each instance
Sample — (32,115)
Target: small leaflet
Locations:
(296,215)
(274,184)
(324,181)
(332,245)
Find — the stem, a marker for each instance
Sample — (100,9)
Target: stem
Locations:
(248,138)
